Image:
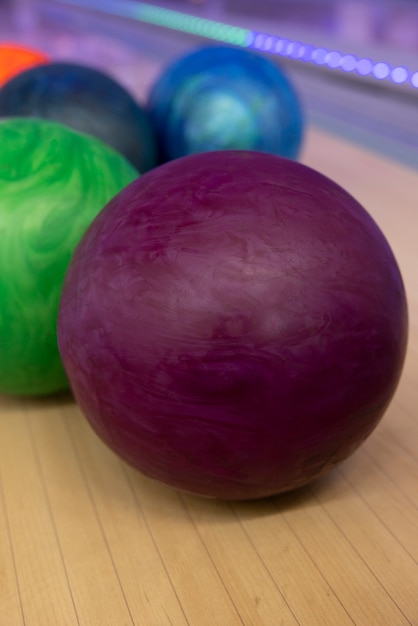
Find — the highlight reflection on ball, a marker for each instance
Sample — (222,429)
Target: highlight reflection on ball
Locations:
(225,98)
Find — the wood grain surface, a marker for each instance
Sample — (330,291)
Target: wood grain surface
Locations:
(85,540)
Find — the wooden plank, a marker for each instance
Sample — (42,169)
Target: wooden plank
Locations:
(386,558)
(147,586)
(202,592)
(41,570)
(96,590)
(239,564)
(11,610)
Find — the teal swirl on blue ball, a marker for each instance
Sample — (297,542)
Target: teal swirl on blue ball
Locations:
(221,98)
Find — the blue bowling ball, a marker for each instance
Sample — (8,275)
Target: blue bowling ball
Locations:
(221,98)
(87,100)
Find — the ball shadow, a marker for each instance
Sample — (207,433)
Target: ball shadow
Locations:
(61,399)
(26,404)
(228,510)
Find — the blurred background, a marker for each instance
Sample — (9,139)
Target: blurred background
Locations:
(86,541)
(375,24)
(354,62)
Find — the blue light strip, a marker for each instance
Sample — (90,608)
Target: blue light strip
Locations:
(264,42)
(333,59)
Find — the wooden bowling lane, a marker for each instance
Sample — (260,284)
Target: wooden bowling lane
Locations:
(86,541)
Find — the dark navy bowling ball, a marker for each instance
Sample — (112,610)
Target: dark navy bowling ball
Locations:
(86,100)
(221,98)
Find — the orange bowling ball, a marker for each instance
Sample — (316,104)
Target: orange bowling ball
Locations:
(15,58)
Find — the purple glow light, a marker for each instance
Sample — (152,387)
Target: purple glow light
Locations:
(307,53)
(348,62)
(319,55)
(399,75)
(333,59)
(381,71)
(281,46)
(294,49)
(364,67)
(266,42)
(288,48)
(259,41)
(250,39)
(269,43)
(301,52)
(278,46)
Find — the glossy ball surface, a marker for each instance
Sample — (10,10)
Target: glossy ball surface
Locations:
(233,324)
(53,182)
(86,100)
(15,59)
(225,98)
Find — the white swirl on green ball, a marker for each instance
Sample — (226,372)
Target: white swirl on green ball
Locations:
(53,182)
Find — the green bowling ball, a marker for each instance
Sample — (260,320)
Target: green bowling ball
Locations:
(53,182)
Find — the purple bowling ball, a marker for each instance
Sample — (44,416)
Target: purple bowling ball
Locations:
(233,324)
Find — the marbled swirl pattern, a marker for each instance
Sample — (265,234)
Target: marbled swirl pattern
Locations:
(234,324)
(87,100)
(222,98)
(53,182)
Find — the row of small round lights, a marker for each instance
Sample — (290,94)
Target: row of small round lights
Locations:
(334,59)
(237,36)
